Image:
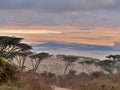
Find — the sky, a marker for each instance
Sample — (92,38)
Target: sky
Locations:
(83,13)
(74,15)
(71,22)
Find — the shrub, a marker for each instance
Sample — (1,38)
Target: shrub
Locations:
(31,82)
(7,71)
(97,74)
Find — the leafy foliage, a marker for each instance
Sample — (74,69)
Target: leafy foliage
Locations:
(7,71)
(69,60)
(11,45)
(36,59)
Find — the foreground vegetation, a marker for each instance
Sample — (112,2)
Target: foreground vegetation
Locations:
(12,78)
(95,81)
(15,77)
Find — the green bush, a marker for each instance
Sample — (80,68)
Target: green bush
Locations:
(7,70)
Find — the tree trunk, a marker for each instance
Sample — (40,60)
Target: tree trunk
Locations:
(65,70)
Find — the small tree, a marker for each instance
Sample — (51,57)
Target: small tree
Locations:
(88,63)
(69,60)
(111,57)
(117,58)
(107,65)
(112,64)
(36,59)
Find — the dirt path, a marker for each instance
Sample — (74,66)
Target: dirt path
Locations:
(58,88)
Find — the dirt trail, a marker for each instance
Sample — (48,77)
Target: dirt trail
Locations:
(58,88)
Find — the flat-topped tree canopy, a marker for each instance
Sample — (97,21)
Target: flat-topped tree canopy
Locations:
(9,40)
(40,56)
(68,59)
(114,57)
(11,45)
(37,58)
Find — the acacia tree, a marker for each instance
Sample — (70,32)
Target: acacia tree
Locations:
(111,57)
(107,65)
(69,60)
(111,65)
(36,59)
(88,62)
(21,58)
(11,45)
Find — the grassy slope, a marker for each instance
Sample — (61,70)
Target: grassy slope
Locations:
(11,78)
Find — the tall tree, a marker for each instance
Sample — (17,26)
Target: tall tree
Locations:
(36,59)
(69,60)
(11,45)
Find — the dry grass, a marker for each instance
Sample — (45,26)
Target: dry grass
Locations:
(25,81)
(30,82)
(89,82)
(11,78)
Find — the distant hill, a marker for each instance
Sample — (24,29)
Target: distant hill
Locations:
(55,45)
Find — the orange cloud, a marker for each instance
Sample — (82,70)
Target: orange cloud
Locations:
(100,36)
